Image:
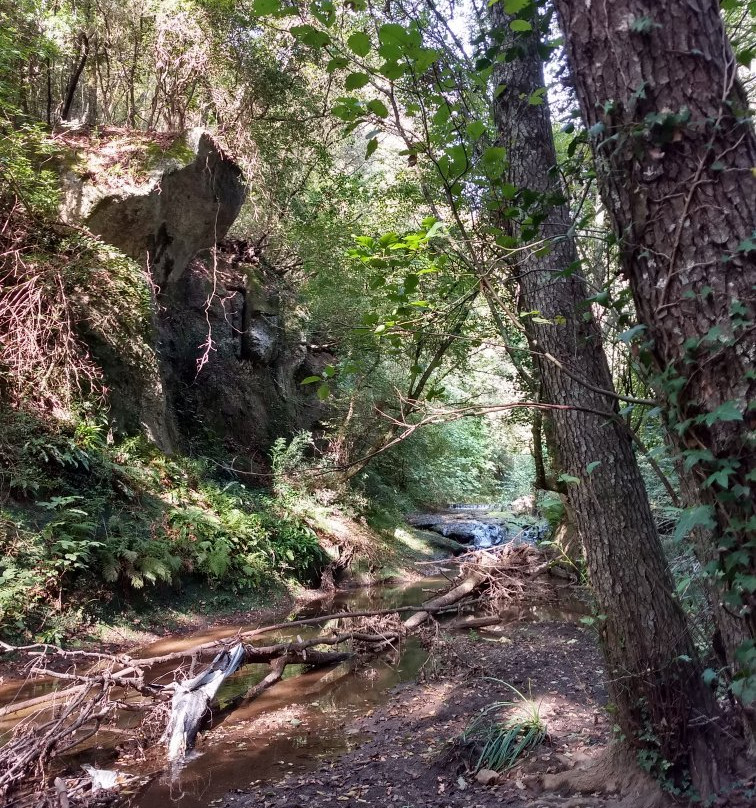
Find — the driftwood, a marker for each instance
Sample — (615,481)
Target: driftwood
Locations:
(191,699)
(103,688)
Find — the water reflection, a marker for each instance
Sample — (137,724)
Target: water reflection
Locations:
(293,725)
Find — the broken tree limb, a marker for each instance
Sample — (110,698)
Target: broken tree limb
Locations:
(277,667)
(192,698)
(454,595)
(315,659)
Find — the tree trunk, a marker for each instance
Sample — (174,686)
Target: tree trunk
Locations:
(654,678)
(73,82)
(675,154)
(539,483)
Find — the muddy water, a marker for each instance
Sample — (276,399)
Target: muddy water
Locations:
(292,726)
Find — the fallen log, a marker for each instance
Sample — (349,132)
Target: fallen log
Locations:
(471,581)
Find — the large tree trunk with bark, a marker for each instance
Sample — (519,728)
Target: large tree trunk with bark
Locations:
(653,676)
(675,153)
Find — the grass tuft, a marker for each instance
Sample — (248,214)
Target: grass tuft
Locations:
(501,745)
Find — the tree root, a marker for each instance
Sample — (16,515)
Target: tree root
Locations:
(613,771)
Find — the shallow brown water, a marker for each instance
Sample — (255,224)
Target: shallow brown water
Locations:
(298,721)
(290,727)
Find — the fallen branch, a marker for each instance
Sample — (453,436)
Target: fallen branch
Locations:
(192,698)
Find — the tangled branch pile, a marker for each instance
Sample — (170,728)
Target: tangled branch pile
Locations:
(41,358)
(65,297)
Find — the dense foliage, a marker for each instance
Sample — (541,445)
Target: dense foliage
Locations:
(381,195)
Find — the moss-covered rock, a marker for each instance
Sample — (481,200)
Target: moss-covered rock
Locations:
(161,209)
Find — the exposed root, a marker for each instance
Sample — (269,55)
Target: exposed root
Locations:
(614,771)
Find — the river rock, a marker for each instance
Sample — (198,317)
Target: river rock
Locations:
(472,532)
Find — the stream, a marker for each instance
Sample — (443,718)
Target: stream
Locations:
(296,723)
(292,726)
(289,727)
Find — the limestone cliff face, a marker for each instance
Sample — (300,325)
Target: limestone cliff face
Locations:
(229,365)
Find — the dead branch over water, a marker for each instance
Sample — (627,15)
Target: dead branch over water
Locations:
(102,685)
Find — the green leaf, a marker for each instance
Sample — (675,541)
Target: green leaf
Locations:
(744,689)
(391,53)
(693,456)
(424,58)
(748,582)
(359,43)
(475,129)
(348,109)
(323,391)
(325,11)
(392,33)
(724,412)
(537,97)
(691,518)
(337,63)
(371,147)
(748,244)
(521,26)
(515,6)
(311,380)
(710,677)
(356,80)
(631,333)
(392,70)
(568,479)
(493,160)
(310,36)
(263,7)
(377,107)
(721,478)
(591,467)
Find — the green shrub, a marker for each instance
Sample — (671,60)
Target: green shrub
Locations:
(84,518)
(500,745)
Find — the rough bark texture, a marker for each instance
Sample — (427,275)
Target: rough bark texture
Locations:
(644,632)
(675,154)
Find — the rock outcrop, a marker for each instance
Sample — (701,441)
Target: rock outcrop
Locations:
(185,203)
(228,358)
(232,365)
